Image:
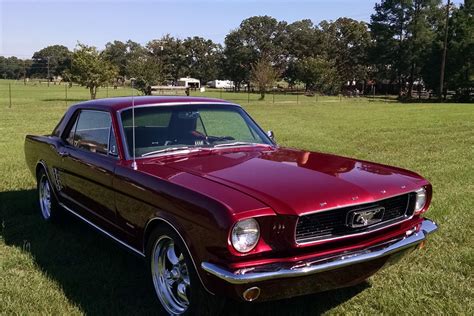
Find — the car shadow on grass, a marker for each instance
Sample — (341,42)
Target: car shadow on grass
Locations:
(101,277)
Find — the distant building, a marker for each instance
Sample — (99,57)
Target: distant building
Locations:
(221,84)
(189,83)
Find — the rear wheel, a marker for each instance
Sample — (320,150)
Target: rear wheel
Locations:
(174,278)
(47,201)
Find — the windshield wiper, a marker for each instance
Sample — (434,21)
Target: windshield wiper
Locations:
(235,144)
(165,150)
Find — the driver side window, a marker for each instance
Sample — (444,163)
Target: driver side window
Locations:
(92,131)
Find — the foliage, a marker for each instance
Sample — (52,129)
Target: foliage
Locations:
(147,71)
(170,52)
(347,42)
(459,75)
(256,37)
(90,69)
(303,40)
(14,68)
(203,58)
(460,66)
(236,61)
(57,56)
(402,32)
(120,54)
(318,74)
(264,75)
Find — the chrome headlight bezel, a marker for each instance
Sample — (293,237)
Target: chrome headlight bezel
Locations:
(421,199)
(245,235)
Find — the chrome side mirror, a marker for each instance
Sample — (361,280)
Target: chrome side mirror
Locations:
(271,135)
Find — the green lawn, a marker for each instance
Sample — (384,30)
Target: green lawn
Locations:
(69,268)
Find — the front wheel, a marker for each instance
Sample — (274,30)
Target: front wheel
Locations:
(174,278)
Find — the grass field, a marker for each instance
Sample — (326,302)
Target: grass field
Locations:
(71,269)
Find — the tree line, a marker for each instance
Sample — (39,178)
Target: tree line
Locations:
(399,50)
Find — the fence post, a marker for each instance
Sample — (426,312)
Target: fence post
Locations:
(10,93)
(297,97)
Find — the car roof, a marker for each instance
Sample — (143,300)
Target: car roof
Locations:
(119,103)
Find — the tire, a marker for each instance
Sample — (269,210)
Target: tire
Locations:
(174,278)
(48,204)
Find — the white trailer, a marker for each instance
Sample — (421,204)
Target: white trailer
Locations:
(221,84)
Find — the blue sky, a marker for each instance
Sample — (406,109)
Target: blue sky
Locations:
(27,25)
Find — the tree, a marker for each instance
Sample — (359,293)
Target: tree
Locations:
(255,38)
(120,54)
(346,42)
(171,54)
(402,30)
(90,69)
(236,60)
(318,74)
(461,52)
(264,75)
(203,58)
(426,18)
(56,58)
(14,68)
(302,40)
(147,72)
(459,75)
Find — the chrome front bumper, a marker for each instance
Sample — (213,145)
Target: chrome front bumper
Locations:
(412,238)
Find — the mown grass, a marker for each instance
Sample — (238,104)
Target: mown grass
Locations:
(71,269)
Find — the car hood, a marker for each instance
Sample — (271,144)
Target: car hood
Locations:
(295,182)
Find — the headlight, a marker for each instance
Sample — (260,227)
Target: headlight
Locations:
(420,200)
(245,235)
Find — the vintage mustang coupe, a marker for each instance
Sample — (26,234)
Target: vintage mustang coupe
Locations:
(217,207)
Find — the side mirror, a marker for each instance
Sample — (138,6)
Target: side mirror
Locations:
(271,135)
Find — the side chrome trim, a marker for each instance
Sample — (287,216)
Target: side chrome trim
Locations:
(412,238)
(161,219)
(102,231)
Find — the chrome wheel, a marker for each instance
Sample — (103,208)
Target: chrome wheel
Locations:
(170,276)
(45,197)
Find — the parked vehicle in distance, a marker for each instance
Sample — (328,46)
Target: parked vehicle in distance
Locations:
(217,208)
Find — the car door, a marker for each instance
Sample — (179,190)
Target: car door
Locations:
(89,158)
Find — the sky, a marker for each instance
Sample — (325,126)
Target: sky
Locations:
(27,26)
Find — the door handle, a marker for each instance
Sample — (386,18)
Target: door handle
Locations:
(63,154)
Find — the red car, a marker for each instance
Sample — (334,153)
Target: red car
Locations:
(217,208)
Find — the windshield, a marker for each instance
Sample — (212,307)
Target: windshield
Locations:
(164,129)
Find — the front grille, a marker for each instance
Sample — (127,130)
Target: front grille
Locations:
(334,223)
